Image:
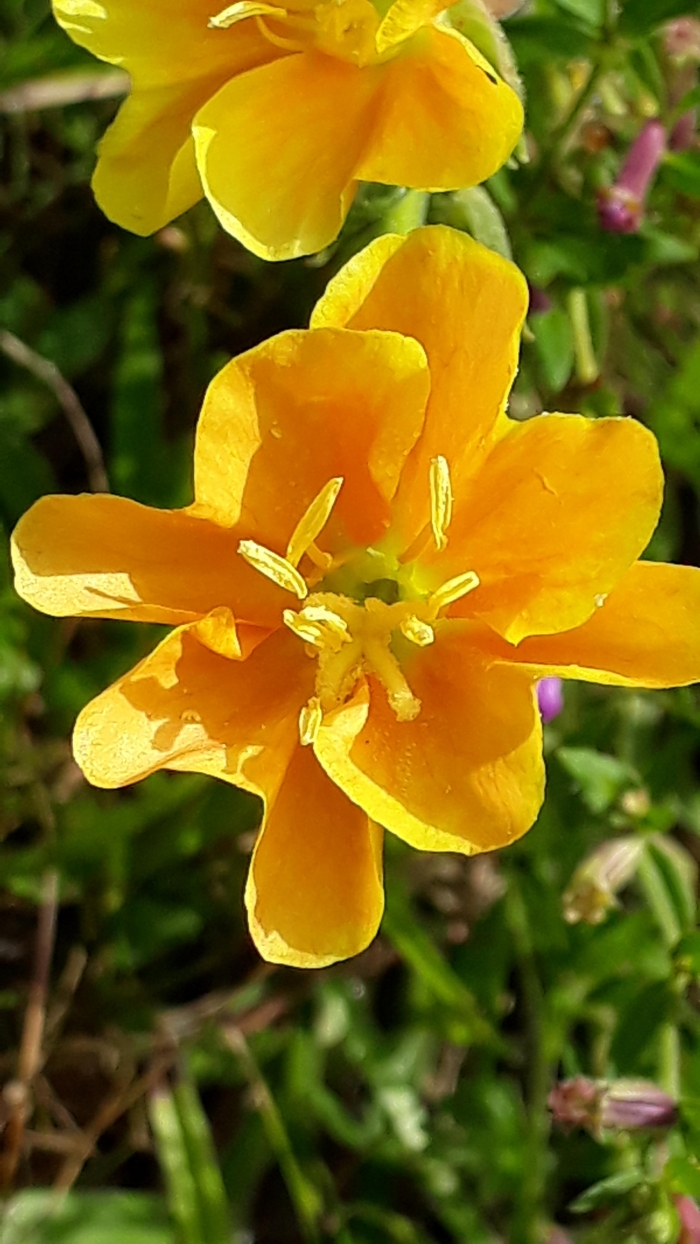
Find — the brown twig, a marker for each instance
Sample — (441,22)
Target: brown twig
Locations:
(68,399)
(29,1061)
(115,1106)
(59,89)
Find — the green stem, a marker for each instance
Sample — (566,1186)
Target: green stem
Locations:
(305,1198)
(407,212)
(529,1212)
(587,369)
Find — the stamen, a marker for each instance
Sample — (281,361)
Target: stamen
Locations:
(273,567)
(440,500)
(384,664)
(452,590)
(313,521)
(242,9)
(320,613)
(310,632)
(318,626)
(417,631)
(310,719)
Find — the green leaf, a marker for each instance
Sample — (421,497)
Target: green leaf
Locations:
(607,1190)
(38,1217)
(600,779)
(681,170)
(680,875)
(640,16)
(683,1177)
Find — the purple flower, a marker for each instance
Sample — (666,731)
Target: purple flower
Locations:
(620,1105)
(621,206)
(550,698)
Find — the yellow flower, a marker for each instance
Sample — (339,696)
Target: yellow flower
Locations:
(378,567)
(276,112)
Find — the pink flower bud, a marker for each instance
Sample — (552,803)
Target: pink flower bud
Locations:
(682,39)
(621,206)
(689,1216)
(550,698)
(621,1105)
(684,132)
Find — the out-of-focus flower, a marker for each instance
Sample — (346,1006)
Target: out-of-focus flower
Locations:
(682,39)
(592,892)
(378,568)
(684,132)
(621,206)
(275,111)
(621,1105)
(689,1216)
(550,698)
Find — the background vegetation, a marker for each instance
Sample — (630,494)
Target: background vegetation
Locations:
(178,1090)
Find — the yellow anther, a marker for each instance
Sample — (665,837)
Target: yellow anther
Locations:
(453,590)
(274,567)
(440,500)
(242,9)
(417,631)
(328,618)
(318,626)
(310,719)
(313,521)
(310,632)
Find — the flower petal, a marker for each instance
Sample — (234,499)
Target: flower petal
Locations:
(445,120)
(562,507)
(107,557)
(282,420)
(314,892)
(146,174)
(157,45)
(276,150)
(466,307)
(467,774)
(184,707)
(646,634)
(403,18)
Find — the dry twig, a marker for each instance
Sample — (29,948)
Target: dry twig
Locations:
(69,401)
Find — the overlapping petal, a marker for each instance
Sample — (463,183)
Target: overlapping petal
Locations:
(157,45)
(466,307)
(314,892)
(146,172)
(184,707)
(560,510)
(277,149)
(281,421)
(108,557)
(443,120)
(645,634)
(467,774)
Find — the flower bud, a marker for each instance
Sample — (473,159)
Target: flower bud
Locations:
(550,698)
(682,39)
(621,206)
(592,891)
(684,132)
(689,1216)
(619,1105)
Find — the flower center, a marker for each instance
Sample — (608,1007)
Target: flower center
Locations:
(358,622)
(345,29)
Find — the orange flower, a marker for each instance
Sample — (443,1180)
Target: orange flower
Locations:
(275,112)
(378,567)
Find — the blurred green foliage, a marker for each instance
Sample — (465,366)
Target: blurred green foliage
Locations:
(188,1094)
